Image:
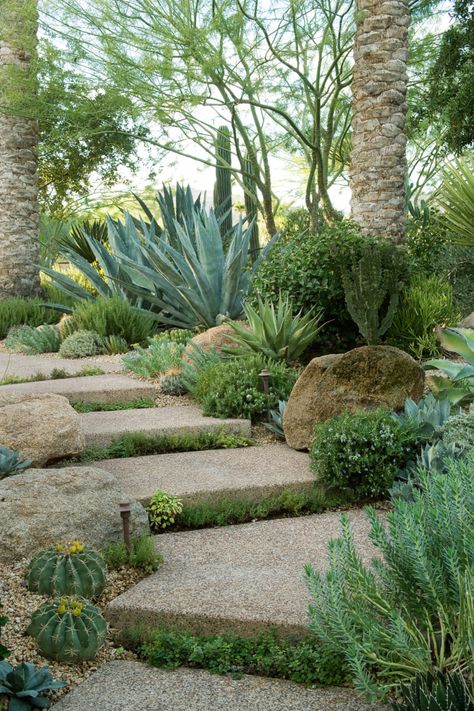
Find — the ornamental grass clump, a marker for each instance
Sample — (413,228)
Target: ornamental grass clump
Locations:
(114,316)
(362,452)
(159,357)
(411,611)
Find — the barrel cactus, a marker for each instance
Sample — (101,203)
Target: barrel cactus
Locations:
(67,570)
(68,629)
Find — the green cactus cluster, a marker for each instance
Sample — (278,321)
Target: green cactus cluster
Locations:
(250,197)
(223,184)
(68,630)
(67,570)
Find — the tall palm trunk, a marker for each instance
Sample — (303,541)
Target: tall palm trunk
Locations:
(19,213)
(378,159)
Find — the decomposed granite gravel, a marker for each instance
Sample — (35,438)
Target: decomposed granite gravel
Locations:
(18,604)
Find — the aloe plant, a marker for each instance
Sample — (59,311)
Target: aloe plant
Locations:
(456,198)
(275,331)
(459,386)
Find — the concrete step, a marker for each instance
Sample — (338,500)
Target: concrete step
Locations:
(24,366)
(240,579)
(209,476)
(90,388)
(133,686)
(102,428)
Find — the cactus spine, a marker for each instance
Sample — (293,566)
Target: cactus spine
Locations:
(67,570)
(250,196)
(68,630)
(223,184)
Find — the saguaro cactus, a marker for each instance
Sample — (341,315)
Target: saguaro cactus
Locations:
(250,195)
(223,184)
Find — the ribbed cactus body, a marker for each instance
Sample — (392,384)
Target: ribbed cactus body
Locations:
(73,570)
(68,630)
(172,385)
(223,184)
(250,197)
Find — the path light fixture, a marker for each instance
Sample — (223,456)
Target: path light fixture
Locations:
(265,376)
(125,511)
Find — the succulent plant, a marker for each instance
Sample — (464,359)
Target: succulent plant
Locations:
(276,422)
(430,692)
(171,383)
(67,570)
(23,685)
(458,387)
(429,414)
(114,345)
(11,462)
(68,629)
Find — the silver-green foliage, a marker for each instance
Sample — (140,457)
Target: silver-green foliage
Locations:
(81,344)
(460,430)
(458,387)
(24,686)
(412,610)
(172,384)
(160,355)
(275,332)
(429,414)
(29,340)
(11,462)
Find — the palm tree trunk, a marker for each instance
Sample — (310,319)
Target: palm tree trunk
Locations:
(19,212)
(378,159)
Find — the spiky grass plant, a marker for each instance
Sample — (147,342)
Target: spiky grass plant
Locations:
(30,341)
(412,610)
(275,332)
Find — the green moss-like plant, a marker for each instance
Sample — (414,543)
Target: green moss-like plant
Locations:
(81,344)
(69,630)
(67,570)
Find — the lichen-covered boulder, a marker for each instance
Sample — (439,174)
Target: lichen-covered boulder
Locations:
(41,507)
(369,376)
(42,427)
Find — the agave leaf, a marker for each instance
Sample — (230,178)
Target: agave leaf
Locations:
(458,341)
(446,366)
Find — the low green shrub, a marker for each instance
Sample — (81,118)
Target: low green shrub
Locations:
(81,344)
(264,655)
(138,445)
(233,388)
(411,610)
(31,341)
(163,509)
(160,356)
(114,316)
(362,452)
(29,312)
(138,404)
(274,331)
(459,430)
(143,555)
(304,268)
(197,359)
(426,302)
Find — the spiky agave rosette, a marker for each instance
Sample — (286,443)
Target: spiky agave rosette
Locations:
(68,629)
(67,570)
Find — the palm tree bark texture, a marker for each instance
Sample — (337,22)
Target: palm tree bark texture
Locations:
(378,158)
(19,212)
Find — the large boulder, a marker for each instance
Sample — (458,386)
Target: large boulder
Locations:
(468,322)
(364,377)
(217,337)
(41,507)
(43,427)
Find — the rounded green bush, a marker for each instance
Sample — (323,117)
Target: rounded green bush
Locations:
(304,268)
(81,344)
(114,316)
(233,388)
(362,452)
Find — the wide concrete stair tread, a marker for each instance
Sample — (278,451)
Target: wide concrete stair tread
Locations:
(211,475)
(110,388)
(102,428)
(133,686)
(240,579)
(26,365)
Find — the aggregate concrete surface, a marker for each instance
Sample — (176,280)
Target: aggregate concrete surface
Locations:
(90,388)
(240,579)
(133,686)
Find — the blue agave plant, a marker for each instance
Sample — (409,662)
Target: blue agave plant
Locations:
(24,685)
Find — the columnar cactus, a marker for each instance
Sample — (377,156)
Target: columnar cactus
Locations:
(67,570)
(223,184)
(68,630)
(250,196)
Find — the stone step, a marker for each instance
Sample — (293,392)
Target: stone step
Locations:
(102,428)
(133,686)
(240,579)
(90,388)
(209,476)
(23,366)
